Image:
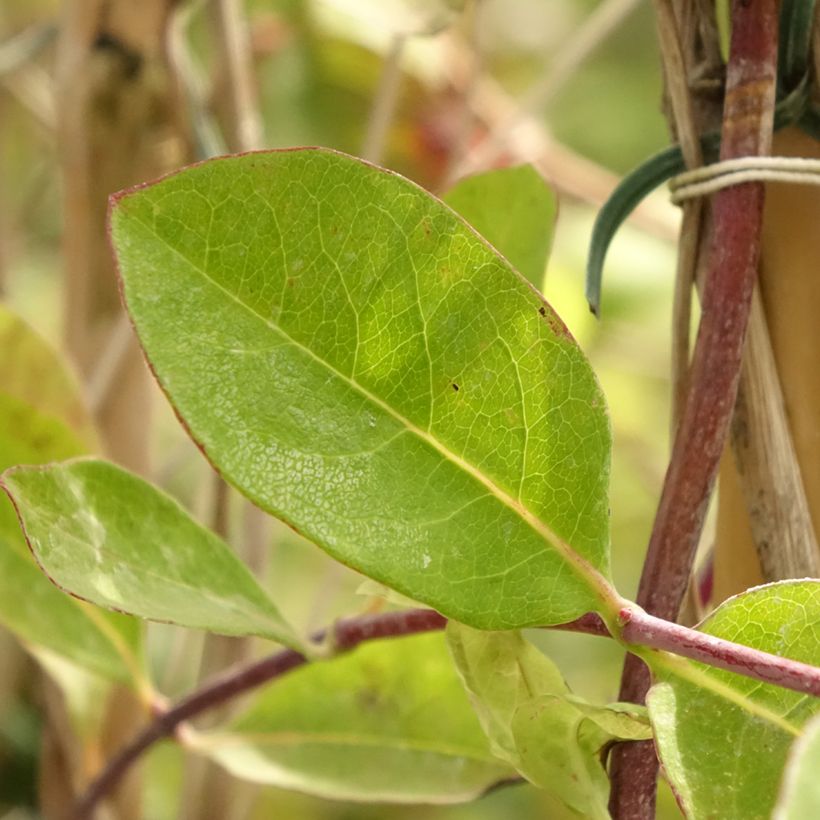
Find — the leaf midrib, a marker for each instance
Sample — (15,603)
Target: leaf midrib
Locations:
(692,673)
(597,583)
(265,630)
(288,738)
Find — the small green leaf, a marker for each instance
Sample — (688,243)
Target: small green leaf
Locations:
(29,436)
(109,537)
(37,612)
(387,723)
(500,670)
(800,793)
(43,418)
(552,737)
(724,739)
(357,361)
(34,374)
(514,210)
(562,752)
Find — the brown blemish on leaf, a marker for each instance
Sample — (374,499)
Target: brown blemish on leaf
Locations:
(556,325)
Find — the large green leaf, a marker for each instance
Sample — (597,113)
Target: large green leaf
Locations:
(533,722)
(389,722)
(724,739)
(43,418)
(111,538)
(356,360)
(514,209)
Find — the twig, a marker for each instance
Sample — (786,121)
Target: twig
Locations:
(193,120)
(767,462)
(384,102)
(676,76)
(595,29)
(31,86)
(110,94)
(572,174)
(643,629)
(108,366)
(636,628)
(20,49)
(701,435)
(471,74)
(347,635)
(234,90)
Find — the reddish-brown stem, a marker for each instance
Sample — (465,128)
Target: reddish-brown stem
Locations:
(347,634)
(737,214)
(637,627)
(642,629)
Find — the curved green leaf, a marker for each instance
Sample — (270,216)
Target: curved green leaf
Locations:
(514,210)
(43,418)
(533,721)
(724,739)
(105,643)
(388,722)
(800,792)
(34,374)
(653,172)
(356,360)
(111,538)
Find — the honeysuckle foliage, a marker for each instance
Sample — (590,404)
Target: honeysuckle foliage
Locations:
(111,538)
(532,719)
(718,760)
(357,360)
(800,791)
(388,722)
(523,231)
(42,419)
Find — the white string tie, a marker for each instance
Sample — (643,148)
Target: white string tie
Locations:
(710,178)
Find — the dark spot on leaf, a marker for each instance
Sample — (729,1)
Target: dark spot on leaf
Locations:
(370,699)
(542,310)
(455,387)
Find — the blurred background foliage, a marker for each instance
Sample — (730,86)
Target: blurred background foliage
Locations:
(318,65)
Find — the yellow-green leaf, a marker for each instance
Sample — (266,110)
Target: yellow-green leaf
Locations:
(356,360)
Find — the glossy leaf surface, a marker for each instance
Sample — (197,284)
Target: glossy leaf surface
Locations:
(389,722)
(724,739)
(514,210)
(533,721)
(358,362)
(111,538)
